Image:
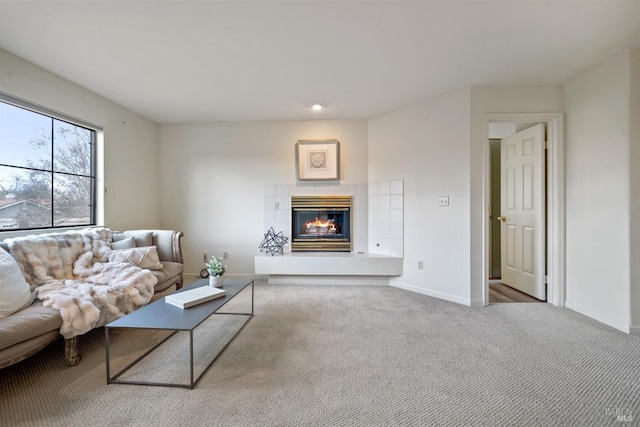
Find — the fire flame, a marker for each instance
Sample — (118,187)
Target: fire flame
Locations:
(320,224)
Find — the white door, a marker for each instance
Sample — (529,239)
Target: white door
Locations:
(522,208)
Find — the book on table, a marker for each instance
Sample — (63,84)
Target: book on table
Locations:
(194,296)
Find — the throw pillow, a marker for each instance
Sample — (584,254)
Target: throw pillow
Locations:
(142,238)
(15,293)
(144,257)
(128,243)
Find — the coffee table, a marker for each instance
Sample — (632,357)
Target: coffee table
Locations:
(160,315)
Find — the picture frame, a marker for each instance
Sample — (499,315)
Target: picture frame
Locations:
(318,160)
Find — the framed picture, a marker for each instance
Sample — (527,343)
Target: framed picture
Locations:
(318,160)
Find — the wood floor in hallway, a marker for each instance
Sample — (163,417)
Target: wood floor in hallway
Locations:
(501,293)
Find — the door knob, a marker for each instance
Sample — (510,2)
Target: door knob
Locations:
(502,218)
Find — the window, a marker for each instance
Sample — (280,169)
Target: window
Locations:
(47,168)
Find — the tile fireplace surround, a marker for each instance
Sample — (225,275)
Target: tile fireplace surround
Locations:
(377,235)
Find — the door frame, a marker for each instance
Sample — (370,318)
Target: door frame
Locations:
(555,236)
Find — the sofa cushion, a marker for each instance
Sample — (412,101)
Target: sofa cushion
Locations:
(168,271)
(15,293)
(30,322)
(167,276)
(144,257)
(24,349)
(128,243)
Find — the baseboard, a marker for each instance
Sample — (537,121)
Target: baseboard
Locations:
(435,294)
(600,318)
(477,303)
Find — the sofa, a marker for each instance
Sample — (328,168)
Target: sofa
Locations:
(77,281)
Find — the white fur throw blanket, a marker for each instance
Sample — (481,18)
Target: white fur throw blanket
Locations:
(69,272)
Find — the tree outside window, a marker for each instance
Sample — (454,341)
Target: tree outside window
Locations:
(47,176)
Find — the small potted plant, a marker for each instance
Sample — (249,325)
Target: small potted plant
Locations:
(216,269)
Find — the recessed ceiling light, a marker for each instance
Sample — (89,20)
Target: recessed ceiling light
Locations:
(316,106)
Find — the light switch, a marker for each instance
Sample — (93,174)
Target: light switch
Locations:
(444,201)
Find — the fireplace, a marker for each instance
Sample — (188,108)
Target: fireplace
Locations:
(321,223)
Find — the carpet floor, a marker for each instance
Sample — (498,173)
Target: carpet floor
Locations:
(351,356)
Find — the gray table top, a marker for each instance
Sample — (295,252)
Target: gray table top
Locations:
(161,315)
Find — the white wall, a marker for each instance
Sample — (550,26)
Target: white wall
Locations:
(213,178)
(634,138)
(427,146)
(130,141)
(598,192)
(437,148)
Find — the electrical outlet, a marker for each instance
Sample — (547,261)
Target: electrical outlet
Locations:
(277,205)
(225,255)
(420,265)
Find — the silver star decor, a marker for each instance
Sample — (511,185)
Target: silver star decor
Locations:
(273,243)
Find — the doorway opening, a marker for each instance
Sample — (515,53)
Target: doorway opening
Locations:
(548,233)
(517,212)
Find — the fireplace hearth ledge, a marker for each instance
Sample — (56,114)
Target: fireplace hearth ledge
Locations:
(329,268)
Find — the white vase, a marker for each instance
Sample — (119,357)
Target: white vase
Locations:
(215,281)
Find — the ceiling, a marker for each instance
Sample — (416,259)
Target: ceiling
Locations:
(206,60)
